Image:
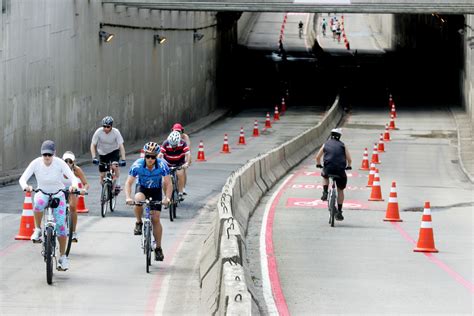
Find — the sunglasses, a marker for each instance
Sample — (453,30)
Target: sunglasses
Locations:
(106,126)
(47,155)
(150,157)
(69,161)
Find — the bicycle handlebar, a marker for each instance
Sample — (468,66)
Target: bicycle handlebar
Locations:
(76,192)
(141,203)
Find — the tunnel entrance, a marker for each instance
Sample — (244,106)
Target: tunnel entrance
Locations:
(423,69)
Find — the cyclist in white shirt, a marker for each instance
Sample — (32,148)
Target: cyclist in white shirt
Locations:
(49,172)
(108,143)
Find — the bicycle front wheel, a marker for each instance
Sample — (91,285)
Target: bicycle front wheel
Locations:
(104,198)
(48,254)
(69,230)
(147,244)
(113,200)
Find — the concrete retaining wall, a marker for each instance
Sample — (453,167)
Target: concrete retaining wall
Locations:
(226,287)
(468,75)
(58,79)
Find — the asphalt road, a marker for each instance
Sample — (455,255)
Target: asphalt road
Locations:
(107,267)
(365,265)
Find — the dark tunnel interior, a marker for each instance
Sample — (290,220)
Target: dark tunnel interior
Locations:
(423,70)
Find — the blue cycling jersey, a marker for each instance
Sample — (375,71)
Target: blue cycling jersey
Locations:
(149,178)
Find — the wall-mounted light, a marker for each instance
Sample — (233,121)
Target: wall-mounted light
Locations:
(105,36)
(197,36)
(159,39)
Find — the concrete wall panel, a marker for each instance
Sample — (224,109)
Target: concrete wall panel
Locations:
(58,79)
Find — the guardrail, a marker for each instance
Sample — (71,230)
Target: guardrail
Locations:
(226,286)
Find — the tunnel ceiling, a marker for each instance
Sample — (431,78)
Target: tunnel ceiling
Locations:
(344,6)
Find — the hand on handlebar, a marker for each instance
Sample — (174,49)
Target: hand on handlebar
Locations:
(348,168)
(122,163)
(95,161)
(185,166)
(28,188)
(166,201)
(319,166)
(129,202)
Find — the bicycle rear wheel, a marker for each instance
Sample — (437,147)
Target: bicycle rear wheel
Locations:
(113,200)
(332,208)
(104,198)
(69,230)
(48,254)
(147,245)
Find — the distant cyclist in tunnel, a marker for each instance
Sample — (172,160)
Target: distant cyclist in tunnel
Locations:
(336,160)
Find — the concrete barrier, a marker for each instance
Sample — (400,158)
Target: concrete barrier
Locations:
(226,286)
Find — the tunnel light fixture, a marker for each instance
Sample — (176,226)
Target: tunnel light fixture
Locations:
(197,36)
(106,36)
(159,39)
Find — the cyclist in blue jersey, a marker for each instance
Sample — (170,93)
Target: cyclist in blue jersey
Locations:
(148,173)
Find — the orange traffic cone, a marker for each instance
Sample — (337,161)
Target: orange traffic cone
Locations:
(81,205)
(276,114)
(268,124)
(255,129)
(371,175)
(386,135)
(225,146)
(241,137)
(426,238)
(283,106)
(201,156)
(393,111)
(375,155)
(381,147)
(27,222)
(376,193)
(142,153)
(365,161)
(392,122)
(392,214)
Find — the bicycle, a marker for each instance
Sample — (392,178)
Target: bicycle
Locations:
(174,201)
(108,195)
(147,230)
(68,224)
(49,232)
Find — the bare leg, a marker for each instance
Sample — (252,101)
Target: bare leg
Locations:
(38,218)
(72,208)
(139,209)
(157,228)
(62,244)
(340,196)
(180,181)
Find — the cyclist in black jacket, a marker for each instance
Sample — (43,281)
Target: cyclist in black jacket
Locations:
(336,161)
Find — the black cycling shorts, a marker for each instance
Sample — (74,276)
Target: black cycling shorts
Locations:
(341,182)
(153,193)
(110,157)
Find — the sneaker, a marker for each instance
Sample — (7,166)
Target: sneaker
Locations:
(117,189)
(324,197)
(339,216)
(74,237)
(138,228)
(63,264)
(180,197)
(184,191)
(36,236)
(159,254)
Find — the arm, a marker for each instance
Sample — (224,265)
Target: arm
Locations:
(128,188)
(168,186)
(95,139)
(68,173)
(319,155)
(122,151)
(26,176)
(348,158)
(93,150)
(80,174)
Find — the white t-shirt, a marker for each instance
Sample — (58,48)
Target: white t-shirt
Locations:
(49,178)
(107,143)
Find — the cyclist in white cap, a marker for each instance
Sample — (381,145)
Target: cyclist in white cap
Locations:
(336,161)
(70,159)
